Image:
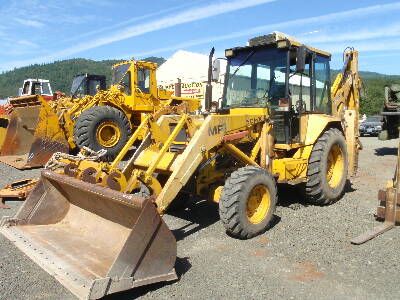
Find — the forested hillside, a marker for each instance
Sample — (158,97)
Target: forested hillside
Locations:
(373,91)
(60,73)
(372,100)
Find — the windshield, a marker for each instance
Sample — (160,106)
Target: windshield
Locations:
(36,88)
(374,119)
(77,88)
(256,78)
(118,73)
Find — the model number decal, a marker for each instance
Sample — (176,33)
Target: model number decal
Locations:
(253,121)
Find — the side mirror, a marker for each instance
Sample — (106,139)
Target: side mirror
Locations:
(301,59)
(216,69)
(19,92)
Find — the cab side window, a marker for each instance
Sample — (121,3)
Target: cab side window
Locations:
(126,83)
(80,92)
(26,88)
(92,86)
(322,85)
(46,88)
(144,80)
(300,87)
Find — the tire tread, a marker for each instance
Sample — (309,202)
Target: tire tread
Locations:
(229,205)
(314,190)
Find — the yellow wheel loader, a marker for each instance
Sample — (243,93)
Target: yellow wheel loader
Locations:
(103,119)
(31,132)
(97,227)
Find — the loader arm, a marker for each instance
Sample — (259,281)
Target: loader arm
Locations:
(181,167)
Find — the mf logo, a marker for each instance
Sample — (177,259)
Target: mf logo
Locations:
(217,129)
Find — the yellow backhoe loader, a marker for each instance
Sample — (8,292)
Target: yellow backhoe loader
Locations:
(102,120)
(97,227)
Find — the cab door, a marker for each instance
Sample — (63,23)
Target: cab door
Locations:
(300,90)
(310,93)
(145,86)
(322,85)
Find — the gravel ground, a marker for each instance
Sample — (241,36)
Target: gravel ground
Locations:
(305,255)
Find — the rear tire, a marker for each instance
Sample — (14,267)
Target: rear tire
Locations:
(327,168)
(247,202)
(102,127)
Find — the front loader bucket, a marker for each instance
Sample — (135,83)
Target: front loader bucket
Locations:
(93,240)
(30,134)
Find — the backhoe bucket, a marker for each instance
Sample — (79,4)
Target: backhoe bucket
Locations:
(30,134)
(93,240)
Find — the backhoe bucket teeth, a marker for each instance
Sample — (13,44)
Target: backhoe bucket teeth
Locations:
(93,240)
(30,134)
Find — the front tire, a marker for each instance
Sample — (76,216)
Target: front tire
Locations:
(247,202)
(327,168)
(102,127)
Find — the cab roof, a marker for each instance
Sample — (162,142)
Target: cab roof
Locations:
(36,80)
(279,40)
(134,61)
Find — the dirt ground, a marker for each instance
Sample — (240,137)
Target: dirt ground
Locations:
(306,254)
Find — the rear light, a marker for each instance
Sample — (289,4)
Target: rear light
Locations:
(283,104)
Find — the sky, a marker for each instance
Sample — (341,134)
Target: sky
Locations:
(37,31)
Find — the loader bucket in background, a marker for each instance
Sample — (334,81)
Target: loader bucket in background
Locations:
(93,240)
(4,121)
(33,134)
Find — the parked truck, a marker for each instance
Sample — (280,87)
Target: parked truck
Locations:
(391,113)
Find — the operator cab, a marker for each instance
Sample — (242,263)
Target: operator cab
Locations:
(122,76)
(278,73)
(36,87)
(137,81)
(87,84)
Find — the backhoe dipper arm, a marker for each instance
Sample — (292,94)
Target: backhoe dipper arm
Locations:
(345,96)
(346,87)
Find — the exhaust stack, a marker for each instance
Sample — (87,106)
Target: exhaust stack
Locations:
(208,94)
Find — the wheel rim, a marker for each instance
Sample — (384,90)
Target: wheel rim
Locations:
(335,167)
(258,204)
(108,134)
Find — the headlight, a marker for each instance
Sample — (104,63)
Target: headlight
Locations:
(379,127)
